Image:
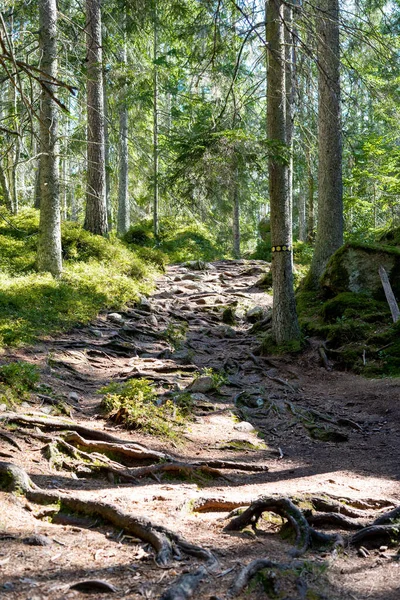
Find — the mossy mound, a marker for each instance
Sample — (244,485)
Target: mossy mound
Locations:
(354,268)
(357,328)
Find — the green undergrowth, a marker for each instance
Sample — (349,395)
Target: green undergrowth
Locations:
(18,379)
(179,240)
(135,404)
(98,274)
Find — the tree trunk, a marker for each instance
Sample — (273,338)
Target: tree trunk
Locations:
(107,155)
(285,328)
(330,203)
(4,188)
(310,199)
(301,209)
(49,244)
(289,105)
(236,212)
(155,128)
(123,200)
(96,210)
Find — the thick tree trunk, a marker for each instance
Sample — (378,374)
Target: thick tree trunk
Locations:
(96,210)
(285,326)
(49,244)
(330,203)
(155,129)
(289,91)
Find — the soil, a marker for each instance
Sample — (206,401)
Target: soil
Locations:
(291,401)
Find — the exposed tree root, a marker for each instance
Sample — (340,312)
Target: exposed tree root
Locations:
(227,464)
(283,507)
(185,586)
(325,505)
(167,544)
(126,452)
(65,424)
(387,517)
(248,572)
(174,467)
(388,533)
(335,519)
(204,505)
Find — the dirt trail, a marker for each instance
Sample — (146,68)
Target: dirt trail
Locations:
(319,433)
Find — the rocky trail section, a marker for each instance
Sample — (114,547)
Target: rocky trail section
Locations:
(120,513)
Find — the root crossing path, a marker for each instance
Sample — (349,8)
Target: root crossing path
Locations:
(281,481)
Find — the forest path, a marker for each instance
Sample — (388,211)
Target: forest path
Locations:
(317,432)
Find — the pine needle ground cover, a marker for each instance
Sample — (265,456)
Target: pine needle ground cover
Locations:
(98,274)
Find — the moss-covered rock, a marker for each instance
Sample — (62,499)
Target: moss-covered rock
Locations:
(354,268)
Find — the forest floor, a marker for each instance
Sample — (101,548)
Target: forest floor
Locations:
(320,433)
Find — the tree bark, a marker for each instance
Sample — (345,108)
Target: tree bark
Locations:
(330,202)
(49,244)
(285,326)
(96,210)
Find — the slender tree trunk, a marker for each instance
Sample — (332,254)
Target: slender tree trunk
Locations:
(123,200)
(285,328)
(96,210)
(301,209)
(236,211)
(155,128)
(330,204)
(5,189)
(310,200)
(107,155)
(49,245)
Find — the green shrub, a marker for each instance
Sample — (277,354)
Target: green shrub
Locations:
(134,404)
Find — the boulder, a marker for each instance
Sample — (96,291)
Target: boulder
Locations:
(257,313)
(202,385)
(354,268)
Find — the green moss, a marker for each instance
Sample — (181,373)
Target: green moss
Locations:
(351,305)
(268,346)
(229,315)
(179,240)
